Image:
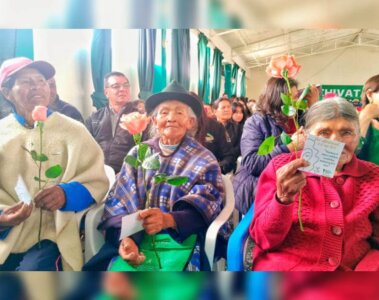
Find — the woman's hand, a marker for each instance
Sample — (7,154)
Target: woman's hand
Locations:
(154,220)
(52,198)
(289,180)
(367,114)
(313,95)
(128,250)
(371,110)
(298,140)
(16,214)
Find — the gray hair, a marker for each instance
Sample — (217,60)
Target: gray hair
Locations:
(330,109)
(111,74)
(192,132)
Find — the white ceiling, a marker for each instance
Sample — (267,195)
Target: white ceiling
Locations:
(254,48)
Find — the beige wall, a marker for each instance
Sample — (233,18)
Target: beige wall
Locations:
(69,51)
(351,66)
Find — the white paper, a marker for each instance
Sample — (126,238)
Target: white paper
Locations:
(322,154)
(130,225)
(22,191)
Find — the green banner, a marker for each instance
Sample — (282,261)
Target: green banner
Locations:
(349,92)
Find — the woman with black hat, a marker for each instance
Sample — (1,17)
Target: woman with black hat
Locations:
(181,211)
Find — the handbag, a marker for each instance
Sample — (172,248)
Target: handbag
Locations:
(173,256)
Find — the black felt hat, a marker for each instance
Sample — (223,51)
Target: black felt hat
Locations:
(174,91)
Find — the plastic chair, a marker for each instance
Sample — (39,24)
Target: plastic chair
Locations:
(93,237)
(111,178)
(237,243)
(221,219)
(258,284)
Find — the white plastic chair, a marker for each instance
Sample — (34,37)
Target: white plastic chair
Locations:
(93,237)
(221,219)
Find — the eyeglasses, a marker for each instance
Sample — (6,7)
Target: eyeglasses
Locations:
(118,86)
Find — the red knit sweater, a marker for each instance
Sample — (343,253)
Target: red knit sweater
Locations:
(340,216)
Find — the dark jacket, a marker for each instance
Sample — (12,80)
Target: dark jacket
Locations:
(256,129)
(215,141)
(114,147)
(233,137)
(66,109)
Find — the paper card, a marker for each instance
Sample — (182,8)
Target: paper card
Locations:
(322,154)
(22,191)
(130,225)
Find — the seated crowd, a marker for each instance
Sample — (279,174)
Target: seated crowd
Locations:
(169,152)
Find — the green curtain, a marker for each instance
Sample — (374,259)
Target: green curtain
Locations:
(234,79)
(228,79)
(160,71)
(203,57)
(16,42)
(217,71)
(101,64)
(180,58)
(24,43)
(146,58)
(243,84)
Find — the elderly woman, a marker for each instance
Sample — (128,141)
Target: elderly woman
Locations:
(340,214)
(43,235)
(369,120)
(180,211)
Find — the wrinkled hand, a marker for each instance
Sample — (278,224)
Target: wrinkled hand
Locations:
(128,250)
(298,138)
(154,220)
(289,180)
(16,214)
(51,198)
(313,95)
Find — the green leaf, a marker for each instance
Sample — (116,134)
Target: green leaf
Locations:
(159,178)
(286,139)
(34,155)
(151,162)
(289,111)
(137,138)
(302,104)
(267,146)
(132,161)
(286,99)
(42,157)
(54,171)
(142,149)
(177,180)
(38,157)
(304,92)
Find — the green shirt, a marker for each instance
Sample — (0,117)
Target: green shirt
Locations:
(370,152)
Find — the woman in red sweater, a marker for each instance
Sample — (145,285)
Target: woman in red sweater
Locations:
(340,214)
